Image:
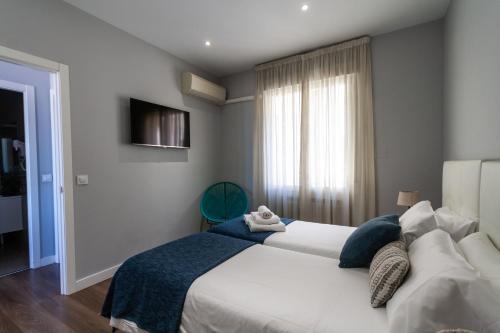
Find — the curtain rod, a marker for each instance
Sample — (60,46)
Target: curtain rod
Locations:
(340,45)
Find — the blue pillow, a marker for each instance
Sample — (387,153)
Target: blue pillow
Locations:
(367,239)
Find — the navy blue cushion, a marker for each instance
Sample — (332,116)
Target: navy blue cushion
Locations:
(367,239)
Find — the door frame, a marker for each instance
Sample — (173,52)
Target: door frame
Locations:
(62,160)
(31,158)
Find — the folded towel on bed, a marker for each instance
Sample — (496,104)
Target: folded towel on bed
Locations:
(260,220)
(237,228)
(254,227)
(265,212)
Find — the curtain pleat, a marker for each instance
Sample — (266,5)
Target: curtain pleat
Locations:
(314,137)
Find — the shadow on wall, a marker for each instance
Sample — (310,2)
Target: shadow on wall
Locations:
(192,213)
(130,153)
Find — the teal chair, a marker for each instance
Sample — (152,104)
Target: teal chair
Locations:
(223,201)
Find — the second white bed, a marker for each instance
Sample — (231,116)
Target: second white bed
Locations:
(461,180)
(325,240)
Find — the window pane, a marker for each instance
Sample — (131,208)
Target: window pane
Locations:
(282,137)
(327,134)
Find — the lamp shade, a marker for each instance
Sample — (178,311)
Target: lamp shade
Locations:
(408,198)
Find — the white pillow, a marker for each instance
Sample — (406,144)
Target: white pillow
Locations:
(441,291)
(483,256)
(416,221)
(457,226)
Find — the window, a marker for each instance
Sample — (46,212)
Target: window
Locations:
(326,123)
(314,141)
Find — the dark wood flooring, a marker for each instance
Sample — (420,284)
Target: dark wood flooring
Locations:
(30,302)
(14,252)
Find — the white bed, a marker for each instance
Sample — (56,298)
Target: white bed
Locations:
(268,289)
(461,184)
(325,240)
(265,289)
(271,290)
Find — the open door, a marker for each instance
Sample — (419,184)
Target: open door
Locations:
(19,205)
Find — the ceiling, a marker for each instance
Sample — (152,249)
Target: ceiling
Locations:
(244,33)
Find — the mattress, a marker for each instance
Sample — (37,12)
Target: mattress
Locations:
(266,289)
(320,239)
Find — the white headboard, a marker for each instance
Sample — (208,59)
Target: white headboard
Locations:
(490,201)
(461,182)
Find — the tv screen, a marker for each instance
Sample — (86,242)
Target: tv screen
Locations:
(158,126)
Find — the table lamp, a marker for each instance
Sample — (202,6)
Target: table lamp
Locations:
(408,198)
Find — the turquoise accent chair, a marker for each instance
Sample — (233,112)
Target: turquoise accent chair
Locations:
(223,201)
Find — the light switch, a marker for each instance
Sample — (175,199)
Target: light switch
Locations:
(82,179)
(47,178)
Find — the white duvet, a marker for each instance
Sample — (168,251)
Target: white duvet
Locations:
(265,289)
(320,239)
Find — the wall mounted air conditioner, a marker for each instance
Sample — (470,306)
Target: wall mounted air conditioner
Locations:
(197,86)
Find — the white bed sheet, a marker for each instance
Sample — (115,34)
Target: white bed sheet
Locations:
(266,289)
(320,239)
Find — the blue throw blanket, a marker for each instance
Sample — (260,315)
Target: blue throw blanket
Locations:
(150,288)
(237,228)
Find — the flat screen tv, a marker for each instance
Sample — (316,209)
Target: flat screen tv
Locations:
(158,126)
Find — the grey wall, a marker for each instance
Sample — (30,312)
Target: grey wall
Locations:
(472,80)
(407,74)
(408,78)
(138,197)
(237,136)
(41,82)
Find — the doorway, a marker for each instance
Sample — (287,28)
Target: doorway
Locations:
(20,236)
(60,175)
(14,235)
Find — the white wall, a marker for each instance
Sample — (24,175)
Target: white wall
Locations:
(407,88)
(472,80)
(138,197)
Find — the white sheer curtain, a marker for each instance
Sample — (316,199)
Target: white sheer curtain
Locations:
(313,147)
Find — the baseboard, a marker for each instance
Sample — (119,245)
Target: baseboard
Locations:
(47,261)
(95,278)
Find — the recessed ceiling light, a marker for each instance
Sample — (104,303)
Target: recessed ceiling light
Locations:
(207,43)
(304,8)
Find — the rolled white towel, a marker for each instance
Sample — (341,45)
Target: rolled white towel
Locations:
(254,227)
(260,220)
(265,212)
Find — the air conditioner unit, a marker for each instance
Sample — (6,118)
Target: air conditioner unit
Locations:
(197,86)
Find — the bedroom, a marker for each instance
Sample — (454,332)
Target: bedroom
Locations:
(435,79)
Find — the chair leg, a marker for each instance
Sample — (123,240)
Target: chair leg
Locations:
(210,225)
(202,222)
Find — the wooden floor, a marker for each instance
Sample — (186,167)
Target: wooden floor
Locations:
(14,256)
(30,302)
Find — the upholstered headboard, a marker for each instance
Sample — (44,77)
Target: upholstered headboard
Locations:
(461,183)
(490,201)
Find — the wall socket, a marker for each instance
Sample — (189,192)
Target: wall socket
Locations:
(46,178)
(82,179)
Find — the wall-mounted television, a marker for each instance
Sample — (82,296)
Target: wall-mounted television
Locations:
(158,126)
